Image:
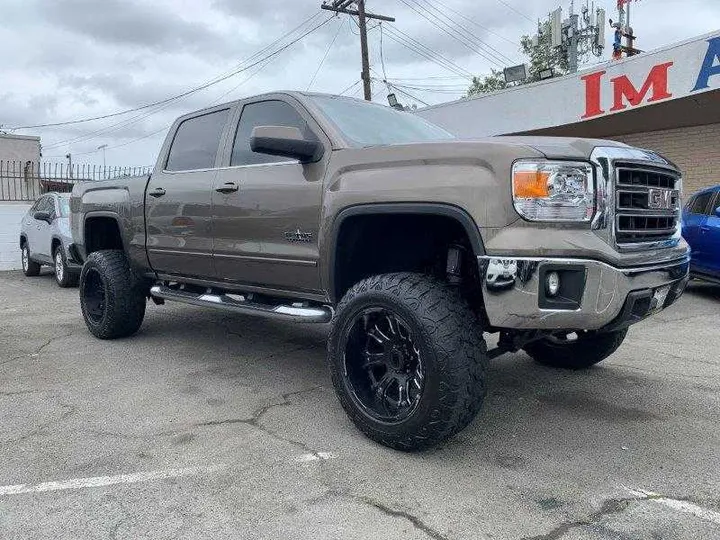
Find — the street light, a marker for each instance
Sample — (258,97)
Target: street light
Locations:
(103,147)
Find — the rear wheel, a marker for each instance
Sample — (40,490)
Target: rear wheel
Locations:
(407,360)
(63,275)
(30,267)
(575,350)
(112,299)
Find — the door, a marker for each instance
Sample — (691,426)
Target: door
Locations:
(708,241)
(39,230)
(267,208)
(178,198)
(695,219)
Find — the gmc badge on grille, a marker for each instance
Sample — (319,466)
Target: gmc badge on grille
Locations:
(661,199)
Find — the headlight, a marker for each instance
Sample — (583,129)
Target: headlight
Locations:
(554,190)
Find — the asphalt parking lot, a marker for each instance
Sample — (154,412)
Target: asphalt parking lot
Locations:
(207,425)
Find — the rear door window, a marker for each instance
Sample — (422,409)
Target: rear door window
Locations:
(196,142)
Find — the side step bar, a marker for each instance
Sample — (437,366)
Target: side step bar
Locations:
(239,304)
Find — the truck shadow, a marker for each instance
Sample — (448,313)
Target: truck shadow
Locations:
(526,403)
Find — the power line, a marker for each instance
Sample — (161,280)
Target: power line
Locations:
(401,91)
(325,55)
(196,89)
(472,21)
(353,85)
(504,3)
(463,30)
(426,52)
(450,31)
(267,61)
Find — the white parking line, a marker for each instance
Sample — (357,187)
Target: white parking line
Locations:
(675,504)
(102,481)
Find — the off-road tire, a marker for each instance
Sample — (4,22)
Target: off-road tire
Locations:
(30,268)
(588,350)
(454,358)
(66,278)
(123,309)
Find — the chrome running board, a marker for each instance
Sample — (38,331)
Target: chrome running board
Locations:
(297,312)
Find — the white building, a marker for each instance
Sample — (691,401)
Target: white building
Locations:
(666,100)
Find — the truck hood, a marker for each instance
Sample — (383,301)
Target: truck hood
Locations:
(560,147)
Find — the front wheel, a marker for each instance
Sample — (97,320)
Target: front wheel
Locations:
(112,299)
(63,275)
(576,350)
(407,360)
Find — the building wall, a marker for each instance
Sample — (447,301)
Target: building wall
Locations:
(10,215)
(696,150)
(19,148)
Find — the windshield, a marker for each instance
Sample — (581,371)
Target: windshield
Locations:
(64,204)
(369,124)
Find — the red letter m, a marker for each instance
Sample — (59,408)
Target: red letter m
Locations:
(624,89)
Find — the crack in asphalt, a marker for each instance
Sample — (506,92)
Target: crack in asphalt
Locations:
(381,507)
(68,411)
(608,507)
(38,350)
(416,521)
(255,421)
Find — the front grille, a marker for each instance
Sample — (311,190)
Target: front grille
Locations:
(647,204)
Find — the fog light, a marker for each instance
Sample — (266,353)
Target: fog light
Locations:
(552,283)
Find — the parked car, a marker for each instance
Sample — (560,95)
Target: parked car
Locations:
(45,237)
(701,229)
(415,245)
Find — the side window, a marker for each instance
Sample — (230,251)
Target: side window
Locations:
(196,142)
(264,113)
(36,207)
(51,208)
(701,202)
(714,204)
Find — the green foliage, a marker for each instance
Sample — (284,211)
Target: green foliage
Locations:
(489,83)
(540,58)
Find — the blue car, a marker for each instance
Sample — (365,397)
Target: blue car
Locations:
(701,229)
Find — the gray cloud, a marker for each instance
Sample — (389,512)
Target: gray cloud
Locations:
(66,59)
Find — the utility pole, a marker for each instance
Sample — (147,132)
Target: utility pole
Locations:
(70,166)
(344,6)
(103,147)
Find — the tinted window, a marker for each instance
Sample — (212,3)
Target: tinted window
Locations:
(265,113)
(701,203)
(369,124)
(196,142)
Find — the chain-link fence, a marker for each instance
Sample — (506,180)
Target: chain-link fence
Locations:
(27,180)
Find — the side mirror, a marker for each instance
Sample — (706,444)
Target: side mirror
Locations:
(284,141)
(42,216)
(717,211)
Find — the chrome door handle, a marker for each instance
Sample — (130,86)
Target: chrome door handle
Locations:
(228,187)
(704,229)
(157,192)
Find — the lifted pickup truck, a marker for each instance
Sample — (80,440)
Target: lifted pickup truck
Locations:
(316,208)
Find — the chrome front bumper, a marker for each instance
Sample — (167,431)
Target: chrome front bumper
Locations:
(512,289)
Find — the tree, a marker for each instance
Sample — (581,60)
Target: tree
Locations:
(541,57)
(488,84)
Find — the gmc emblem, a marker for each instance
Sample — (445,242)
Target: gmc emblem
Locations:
(661,199)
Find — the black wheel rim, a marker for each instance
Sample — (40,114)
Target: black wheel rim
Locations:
(383,365)
(94,295)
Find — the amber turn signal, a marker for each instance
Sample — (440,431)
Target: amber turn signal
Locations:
(531,184)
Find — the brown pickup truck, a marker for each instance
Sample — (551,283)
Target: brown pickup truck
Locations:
(414,245)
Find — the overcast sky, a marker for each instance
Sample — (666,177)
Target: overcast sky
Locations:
(69,59)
